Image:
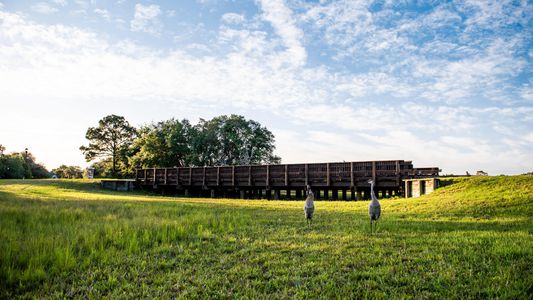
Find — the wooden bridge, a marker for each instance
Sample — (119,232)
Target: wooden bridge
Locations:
(339,180)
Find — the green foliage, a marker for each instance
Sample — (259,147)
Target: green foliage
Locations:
(20,165)
(111,139)
(69,239)
(220,141)
(12,166)
(70,172)
(232,140)
(163,144)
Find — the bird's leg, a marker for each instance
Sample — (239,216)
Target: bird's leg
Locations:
(376,226)
(370,226)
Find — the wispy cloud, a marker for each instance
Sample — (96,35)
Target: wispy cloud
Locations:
(146,19)
(282,20)
(371,103)
(43,8)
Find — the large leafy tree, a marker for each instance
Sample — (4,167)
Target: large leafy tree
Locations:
(233,140)
(163,144)
(110,139)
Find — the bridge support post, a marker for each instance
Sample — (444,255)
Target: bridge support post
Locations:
(277,194)
(268,194)
(344,195)
(298,194)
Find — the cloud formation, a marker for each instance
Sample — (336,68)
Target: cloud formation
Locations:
(378,93)
(146,19)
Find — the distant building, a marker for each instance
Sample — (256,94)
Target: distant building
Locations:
(481,173)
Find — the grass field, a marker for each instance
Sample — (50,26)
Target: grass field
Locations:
(471,239)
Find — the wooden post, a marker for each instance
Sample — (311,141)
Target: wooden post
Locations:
(155,178)
(398,175)
(327,175)
(190,176)
(344,194)
(374,172)
(267,183)
(250,175)
(352,193)
(306,175)
(177,177)
(203,179)
(144,176)
(286,175)
(166,173)
(218,176)
(136,175)
(233,176)
(352,183)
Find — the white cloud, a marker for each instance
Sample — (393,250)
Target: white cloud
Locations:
(146,19)
(233,18)
(331,115)
(104,13)
(43,8)
(281,19)
(60,2)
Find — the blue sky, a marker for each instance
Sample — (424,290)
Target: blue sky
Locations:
(442,83)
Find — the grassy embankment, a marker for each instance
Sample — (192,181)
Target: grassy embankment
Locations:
(68,239)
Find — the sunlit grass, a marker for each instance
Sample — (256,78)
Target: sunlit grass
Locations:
(71,239)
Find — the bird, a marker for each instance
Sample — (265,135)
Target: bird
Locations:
(374,208)
(309,206)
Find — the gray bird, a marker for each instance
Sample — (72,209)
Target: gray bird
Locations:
(374,208)
(309,206)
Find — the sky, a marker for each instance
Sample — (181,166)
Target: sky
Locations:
(441,83)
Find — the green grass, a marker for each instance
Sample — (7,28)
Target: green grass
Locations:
(471,239)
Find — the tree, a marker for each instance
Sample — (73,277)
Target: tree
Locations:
(232,140)
(162,144)
(19,165)
(111,139)
(70,172)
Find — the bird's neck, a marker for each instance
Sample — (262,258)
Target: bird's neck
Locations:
(372,191)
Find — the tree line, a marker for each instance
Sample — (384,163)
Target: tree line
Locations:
(119,148)
(19,165)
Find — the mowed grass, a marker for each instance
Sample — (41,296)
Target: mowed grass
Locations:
(471,239)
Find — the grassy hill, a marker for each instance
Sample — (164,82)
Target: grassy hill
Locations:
(470,239)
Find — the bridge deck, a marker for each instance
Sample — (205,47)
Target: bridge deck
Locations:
(387,174)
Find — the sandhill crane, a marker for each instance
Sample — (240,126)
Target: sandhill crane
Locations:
(374,208)
(309,206)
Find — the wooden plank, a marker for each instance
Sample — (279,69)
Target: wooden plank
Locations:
(144,176)
(190,175)
(155,178)
(166,173)
(203,179)
(177,176)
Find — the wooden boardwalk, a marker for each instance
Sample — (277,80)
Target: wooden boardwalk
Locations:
(336,180)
